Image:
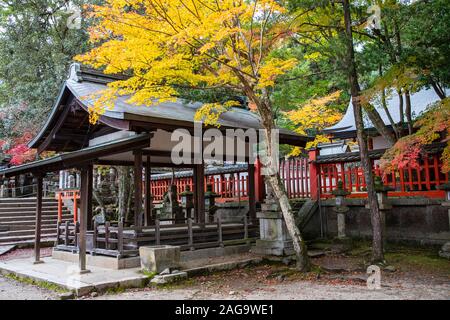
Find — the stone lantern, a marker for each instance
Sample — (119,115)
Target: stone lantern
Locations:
(210,202)
(187,201)
(445,251)
(382,194)
(341,209)
(274,236)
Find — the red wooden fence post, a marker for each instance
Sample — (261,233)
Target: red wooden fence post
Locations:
(313,173)
(259,182)
(60,206)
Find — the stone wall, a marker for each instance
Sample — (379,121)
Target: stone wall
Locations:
(414,220)
(231,211)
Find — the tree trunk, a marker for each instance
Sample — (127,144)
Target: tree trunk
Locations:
(386,109)
(388,113)
(408,111)
(438,89)
(268,122)
(124,193)
(401,112)
(378,123)
(275,182)
(377,236)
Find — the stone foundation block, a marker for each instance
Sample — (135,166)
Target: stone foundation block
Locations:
(158,258)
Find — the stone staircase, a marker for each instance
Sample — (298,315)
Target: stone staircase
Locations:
(17,220)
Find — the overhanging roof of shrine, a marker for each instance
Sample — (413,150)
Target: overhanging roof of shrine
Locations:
(68,128)
(80,157)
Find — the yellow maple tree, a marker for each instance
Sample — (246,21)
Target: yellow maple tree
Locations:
(167,44)
(315,115)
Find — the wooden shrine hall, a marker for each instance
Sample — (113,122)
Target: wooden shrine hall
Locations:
(128,135)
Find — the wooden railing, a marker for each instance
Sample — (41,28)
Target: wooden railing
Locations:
(72,194)
(230,186)
(234,186)
(66,235)
(119,241)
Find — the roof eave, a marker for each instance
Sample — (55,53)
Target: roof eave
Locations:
(33,144)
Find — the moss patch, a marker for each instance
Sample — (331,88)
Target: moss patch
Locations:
(421,259)
(115,290)
(149,274)
(406,258)
(41,284)
(180,284)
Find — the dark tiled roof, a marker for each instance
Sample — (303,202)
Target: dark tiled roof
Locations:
(208,171)
(348,156)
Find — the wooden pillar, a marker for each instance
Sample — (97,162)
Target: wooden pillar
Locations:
(90,190)
(148,194)
(251,192)
(199,185)
(37,231)
(314,174)
(259,182)
(138,188)
(85,212)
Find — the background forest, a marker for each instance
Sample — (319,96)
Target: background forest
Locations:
(409,51)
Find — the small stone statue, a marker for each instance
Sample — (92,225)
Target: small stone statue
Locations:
(170,205)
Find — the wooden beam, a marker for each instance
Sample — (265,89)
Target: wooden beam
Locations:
(37,230)
(131,163)
(168,154)
(199,185)
(65,112)
(148,193)
(86,179)
(119,124)
(138,188)
(89,221)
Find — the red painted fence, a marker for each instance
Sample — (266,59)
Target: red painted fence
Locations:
(295,175)
(305,178)
(422,181)
(229,186)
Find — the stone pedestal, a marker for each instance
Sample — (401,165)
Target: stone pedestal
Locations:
(158,258)
(445,250)
(274,236)
(341,209)
(341,225)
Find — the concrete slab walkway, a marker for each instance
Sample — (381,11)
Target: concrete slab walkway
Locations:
(65,275)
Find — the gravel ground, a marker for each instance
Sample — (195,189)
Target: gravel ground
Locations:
(14,290)
(293,290)
(342,277)
(297,290)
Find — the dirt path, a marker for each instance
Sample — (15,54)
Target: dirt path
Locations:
(297,290)
(413,274)
(14,290)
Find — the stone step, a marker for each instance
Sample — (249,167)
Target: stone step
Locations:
(30,213)
(26,232)
(32,221)
(29,217)
(305,213)
(29,243)
(29,225)
(29,239)
(50,206)
(25,200)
